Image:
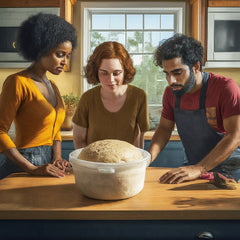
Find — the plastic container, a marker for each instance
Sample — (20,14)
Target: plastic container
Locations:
(109,181)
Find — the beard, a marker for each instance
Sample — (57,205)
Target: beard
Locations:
(190,83)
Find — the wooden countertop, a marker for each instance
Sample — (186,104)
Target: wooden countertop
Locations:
(23,196)
(68,136)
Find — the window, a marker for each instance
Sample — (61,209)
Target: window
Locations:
(140,29)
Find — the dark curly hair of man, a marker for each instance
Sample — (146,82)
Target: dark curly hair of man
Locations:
(189,49)
(43,32)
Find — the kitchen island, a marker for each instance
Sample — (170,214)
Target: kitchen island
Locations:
(53,208)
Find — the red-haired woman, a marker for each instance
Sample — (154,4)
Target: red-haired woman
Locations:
(113,109)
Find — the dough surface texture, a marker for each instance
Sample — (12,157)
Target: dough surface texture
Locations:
(110,151)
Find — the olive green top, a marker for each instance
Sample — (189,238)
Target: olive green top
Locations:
(121,125)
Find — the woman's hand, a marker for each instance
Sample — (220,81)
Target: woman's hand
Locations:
(181,174)
(57,168)
(62,164)
(47,170)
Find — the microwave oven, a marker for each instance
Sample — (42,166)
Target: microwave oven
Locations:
(223,41)
(10,20)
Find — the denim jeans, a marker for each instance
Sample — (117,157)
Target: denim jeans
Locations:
(36,155)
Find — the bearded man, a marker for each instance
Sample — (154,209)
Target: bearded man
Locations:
(205,108)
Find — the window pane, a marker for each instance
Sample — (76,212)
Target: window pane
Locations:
(134,21)
(167,21)
(98,37)
(154,113)
(134,42)
(166,35)
(137,59)
(108,21)
(152,79)
(151,41)
(152,21)
(149,77)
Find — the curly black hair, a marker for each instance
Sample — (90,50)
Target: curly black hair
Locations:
(189,49)
(43,32)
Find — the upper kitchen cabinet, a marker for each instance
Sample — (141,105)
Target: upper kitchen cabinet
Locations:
(223,3)
(66,6)
(215,24)
(13,12)
(199,23)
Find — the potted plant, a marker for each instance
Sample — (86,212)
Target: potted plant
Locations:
(70,102)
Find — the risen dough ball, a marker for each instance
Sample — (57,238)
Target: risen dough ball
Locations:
(110,151)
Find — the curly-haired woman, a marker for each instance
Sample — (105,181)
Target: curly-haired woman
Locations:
(113,109)
(33,101)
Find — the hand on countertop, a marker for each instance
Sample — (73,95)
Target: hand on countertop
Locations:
(181,174)
(47,170)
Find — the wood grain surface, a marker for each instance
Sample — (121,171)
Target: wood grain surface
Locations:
(23,196)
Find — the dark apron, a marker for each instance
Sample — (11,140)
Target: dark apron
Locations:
(199,138)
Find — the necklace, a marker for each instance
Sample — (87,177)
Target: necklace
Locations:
(36,78)
(49,93)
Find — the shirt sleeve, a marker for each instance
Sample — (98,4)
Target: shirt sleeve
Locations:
(80,116)
(143,118)
(168,104)
(230,99)
(10,100)
(58,136)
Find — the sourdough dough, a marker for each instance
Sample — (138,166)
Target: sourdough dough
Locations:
(110,151)
(101,177)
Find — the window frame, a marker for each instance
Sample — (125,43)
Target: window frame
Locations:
(87,8)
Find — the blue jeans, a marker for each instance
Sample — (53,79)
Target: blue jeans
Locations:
(36,155)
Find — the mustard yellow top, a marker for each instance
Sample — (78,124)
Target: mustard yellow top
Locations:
(36,121)
(121,125)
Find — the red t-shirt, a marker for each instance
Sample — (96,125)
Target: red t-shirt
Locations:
(222,101)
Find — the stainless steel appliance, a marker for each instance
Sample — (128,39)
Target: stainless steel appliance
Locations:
(223,46)
(10,20)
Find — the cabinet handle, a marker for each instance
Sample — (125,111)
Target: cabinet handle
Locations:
(205,235)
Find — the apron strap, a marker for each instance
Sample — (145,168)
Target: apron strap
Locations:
(203,90)
(177,103)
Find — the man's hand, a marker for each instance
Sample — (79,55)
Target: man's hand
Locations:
(181,174)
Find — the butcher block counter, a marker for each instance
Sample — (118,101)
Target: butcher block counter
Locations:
(187,205)
(68,135)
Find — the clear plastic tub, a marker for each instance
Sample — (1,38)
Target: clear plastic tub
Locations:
(109,181)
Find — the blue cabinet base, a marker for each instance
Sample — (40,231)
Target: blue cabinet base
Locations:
(67,147)
(117,229)
(172,155)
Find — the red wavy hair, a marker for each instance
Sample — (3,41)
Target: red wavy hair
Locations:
(108,50)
